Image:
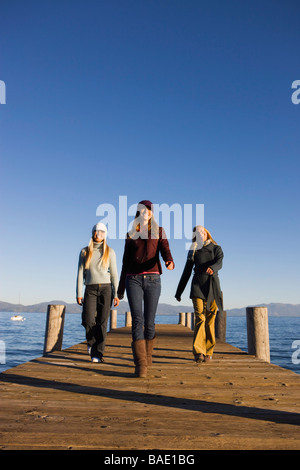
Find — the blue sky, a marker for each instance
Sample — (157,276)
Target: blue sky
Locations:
(179,102)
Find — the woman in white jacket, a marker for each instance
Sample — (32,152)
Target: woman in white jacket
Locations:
(97,269)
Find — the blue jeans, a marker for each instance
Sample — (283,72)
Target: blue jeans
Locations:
(141,287)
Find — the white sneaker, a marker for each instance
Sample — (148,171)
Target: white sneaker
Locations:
(97,359)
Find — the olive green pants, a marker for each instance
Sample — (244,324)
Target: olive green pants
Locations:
(204,331)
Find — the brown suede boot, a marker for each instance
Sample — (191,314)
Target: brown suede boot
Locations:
(149,348)
(140,357)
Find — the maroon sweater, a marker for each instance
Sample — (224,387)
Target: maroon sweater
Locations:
(142,256)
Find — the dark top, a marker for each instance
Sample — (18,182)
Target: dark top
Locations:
(204,285)
(142,256)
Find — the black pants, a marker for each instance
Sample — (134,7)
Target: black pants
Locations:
(96,309)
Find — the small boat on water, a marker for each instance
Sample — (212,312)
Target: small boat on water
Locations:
(17,318)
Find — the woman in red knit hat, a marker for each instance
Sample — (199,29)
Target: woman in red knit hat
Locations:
(140,277)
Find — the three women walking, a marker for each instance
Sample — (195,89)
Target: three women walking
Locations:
(145,242)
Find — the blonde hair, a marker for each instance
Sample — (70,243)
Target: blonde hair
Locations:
(209,237)
(88,253)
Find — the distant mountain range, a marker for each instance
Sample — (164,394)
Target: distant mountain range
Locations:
(274,309)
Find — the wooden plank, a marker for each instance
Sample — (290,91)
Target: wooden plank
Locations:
(64,401)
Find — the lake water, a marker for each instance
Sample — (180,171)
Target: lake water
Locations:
(22,341)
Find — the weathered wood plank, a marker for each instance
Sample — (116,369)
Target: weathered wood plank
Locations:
(64,401)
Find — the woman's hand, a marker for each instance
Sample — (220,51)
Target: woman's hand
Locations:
(79,300)
(209,271)
(170,265)
(116,301)
(178,298)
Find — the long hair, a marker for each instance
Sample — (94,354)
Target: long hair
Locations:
(209,237)
(153,228)
(89,253)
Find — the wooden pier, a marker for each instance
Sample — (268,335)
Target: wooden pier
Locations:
(64,401)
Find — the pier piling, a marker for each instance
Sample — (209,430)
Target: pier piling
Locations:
(258,332)
(221,326)
(54,328)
